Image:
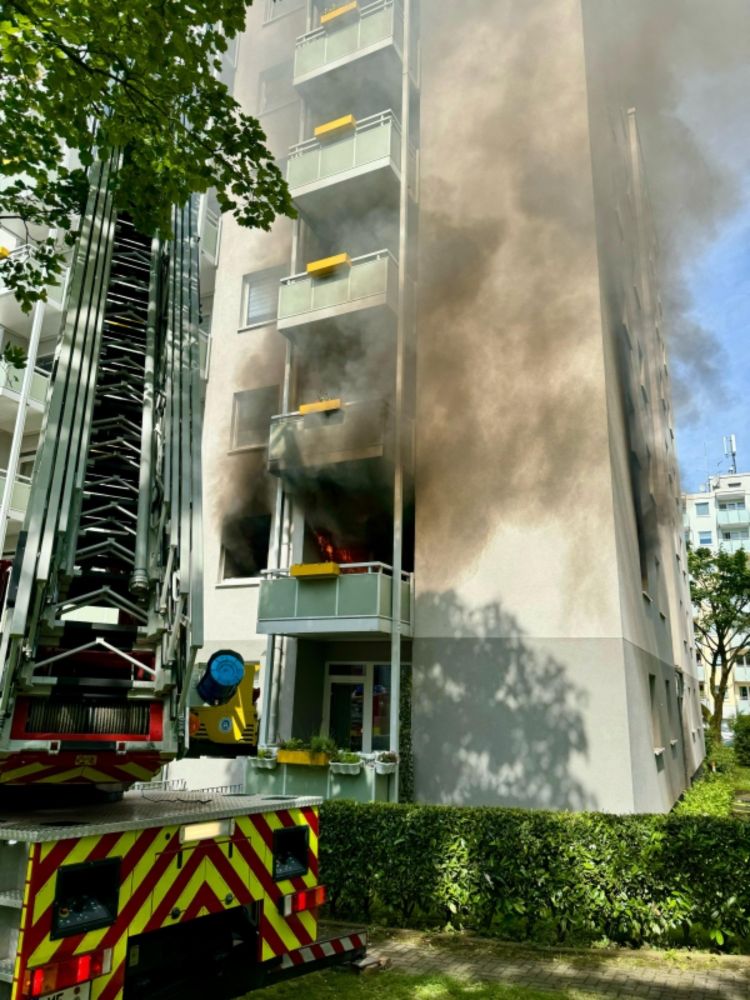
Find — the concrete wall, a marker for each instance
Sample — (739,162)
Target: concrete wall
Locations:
(234,479)
(533,638)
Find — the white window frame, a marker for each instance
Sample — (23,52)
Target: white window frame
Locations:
(265,74)
(275,11)
(703,513)
(247,280)
(234,445)
(368,681)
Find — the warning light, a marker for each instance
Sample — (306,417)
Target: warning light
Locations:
(307,899)
(57,976)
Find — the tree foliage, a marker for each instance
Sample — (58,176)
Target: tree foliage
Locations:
(136,78)
(720,594)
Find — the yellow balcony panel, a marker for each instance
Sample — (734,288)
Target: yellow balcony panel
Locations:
(336,129)
(315,571)
(325,267)
(322,406)
(341,11)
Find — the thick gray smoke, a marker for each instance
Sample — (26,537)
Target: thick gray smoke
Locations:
(682,63)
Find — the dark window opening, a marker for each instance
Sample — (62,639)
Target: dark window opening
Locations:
(290,846)
(245,540)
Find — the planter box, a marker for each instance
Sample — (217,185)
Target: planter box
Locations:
(304,757)
(337,767)
(263,763)
(381,767)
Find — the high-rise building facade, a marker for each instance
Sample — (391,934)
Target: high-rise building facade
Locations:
(719,518)
(440,398)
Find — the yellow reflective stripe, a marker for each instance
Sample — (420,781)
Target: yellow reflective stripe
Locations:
(22,772)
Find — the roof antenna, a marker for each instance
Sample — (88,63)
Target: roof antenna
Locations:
(730,452)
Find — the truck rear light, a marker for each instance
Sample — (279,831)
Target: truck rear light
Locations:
(71,972)
(307,899)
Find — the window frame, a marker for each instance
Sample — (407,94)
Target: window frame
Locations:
(702,539)
(234,446)
(277,70)
(270,18)
(702,513)
(368,682)
(282,270)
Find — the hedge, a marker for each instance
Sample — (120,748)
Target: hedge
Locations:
(546,877)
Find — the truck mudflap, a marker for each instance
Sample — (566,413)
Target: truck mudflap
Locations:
(342,949)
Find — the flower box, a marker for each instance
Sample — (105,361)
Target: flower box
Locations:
(385,767)
(304,757)
(338,767)
(263,763)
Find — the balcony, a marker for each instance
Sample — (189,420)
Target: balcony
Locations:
(742,674)
(11,380)
(365,284)
(296,779)
(734,545)
(732,518)
(351,432)
(350,174)
(19,498)
(355,600)
(15,319)
(360,52)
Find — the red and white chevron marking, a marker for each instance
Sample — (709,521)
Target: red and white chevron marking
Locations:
(324,949)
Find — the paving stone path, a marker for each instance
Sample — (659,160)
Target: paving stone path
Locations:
(647,975)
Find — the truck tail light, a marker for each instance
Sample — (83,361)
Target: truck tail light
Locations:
(307,899)
(71,972)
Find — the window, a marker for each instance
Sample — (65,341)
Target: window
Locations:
(701,509)
(245,539)
(357,711)
(278,8)
(704,537)
(743,693)
(732,504)
(276,88)
(260,296)
(251,419)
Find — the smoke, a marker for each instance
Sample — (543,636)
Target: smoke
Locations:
(682,63)
(509,348)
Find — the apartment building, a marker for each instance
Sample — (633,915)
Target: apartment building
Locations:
(719,518)
(442,505)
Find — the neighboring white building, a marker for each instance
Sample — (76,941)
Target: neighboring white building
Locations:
(719,518)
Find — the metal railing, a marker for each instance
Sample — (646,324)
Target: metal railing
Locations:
(20,492)
(376,22)
(11,379)
(371,274)
(374,138)
(361,567)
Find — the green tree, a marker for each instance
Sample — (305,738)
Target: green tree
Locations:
(720,594)
(135,77)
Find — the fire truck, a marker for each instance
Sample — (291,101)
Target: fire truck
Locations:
(110,893)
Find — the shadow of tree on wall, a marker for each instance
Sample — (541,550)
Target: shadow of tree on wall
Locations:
(496,722)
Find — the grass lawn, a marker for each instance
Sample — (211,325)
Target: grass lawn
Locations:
(334,985)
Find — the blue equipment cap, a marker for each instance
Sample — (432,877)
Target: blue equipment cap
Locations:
(224,672)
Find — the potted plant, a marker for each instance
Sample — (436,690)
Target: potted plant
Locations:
(316,753)
(344,762)
(386,762)
(265,760)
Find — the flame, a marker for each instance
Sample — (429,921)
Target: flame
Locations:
(338,554)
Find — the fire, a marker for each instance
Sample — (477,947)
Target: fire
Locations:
(338,554)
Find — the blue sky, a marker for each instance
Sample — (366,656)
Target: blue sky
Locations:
(719,279)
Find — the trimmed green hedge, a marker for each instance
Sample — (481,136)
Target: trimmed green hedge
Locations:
(548,877)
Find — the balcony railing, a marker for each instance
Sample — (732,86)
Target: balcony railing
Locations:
(376,24)
(371,280)
(356,601)
(728,518)
(377,138)
(356,431)
(733,545)
(11,380)
(19,497)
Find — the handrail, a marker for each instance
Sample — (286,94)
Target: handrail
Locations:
(24,480)
(363,125)
(375,255)
(345,405)
(370,567)
(366,11)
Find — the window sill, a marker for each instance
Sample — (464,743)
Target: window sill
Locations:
(241,449)
(647,597)
(235,583)
(659,751)
(257,326)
